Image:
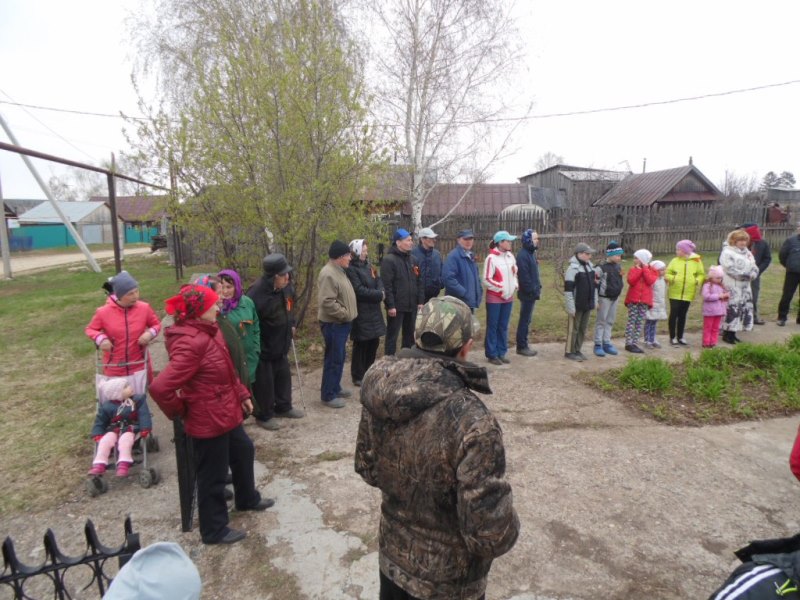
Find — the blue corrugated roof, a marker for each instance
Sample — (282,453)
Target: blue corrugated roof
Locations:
(74,211)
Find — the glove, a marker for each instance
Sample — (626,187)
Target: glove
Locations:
(97,438)
(144,433)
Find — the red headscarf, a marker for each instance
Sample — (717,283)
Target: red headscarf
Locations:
(191,302)
(754,232)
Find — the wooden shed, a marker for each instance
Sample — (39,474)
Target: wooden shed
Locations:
(570,187)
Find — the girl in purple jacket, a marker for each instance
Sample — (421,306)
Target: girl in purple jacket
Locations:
(715,304)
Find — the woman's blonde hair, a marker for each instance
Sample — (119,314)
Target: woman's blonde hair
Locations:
(737,235)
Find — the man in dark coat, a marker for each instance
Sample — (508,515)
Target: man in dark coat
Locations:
(460,273)
(273,296)
(436,453)
(761,252)
(404,295)
(790,259)
(429,261)
(530,287)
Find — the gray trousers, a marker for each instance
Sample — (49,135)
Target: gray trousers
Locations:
(576,330)
(606,315)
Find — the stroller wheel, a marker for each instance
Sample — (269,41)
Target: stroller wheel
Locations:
(155,475)
(152,443)
(145,478)
(96,486)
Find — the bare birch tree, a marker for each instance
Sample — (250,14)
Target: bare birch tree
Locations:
(441,68)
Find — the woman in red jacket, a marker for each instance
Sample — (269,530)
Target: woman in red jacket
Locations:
(122,328)
(200,385)
(639,297)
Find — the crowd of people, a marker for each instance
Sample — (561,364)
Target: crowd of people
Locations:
(425,439)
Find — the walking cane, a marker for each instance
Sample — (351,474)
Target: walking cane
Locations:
(299,377)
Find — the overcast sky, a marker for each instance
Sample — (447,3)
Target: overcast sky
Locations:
(580,55)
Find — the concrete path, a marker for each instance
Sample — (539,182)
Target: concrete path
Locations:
(20,263)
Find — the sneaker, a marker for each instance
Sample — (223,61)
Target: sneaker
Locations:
(673,342)
(634,348)
(598,350)
(526,352)
(343,393)
(123,468)
(683,342)
(573,356)
(495,361)
(292,413)
(655,344)
(581,355)
(335,403)
(610,349)
(781,322)
(649,345)
(504,360)
(97,469)
(269,425)
(759,321)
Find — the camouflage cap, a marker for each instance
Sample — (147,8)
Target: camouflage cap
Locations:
(444,325)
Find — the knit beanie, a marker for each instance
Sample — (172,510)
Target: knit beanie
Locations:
(716,272)
(658,265)
(338,250)
(161,570)
(111,389)
(191,302)
(686,246)
(122,283)
(614,249)
(356,246)
(644,255)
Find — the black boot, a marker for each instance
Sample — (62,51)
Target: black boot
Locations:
(728,337)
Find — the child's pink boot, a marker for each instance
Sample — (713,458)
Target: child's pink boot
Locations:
(122,468)
(97,469)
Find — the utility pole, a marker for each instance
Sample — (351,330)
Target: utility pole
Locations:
(4,245)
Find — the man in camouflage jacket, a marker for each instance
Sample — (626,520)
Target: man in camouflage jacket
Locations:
(436,452)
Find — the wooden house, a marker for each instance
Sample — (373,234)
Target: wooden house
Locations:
(570,187)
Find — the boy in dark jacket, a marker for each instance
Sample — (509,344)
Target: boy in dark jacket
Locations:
(580,284)
(530,287)
(273,297)
(609,289)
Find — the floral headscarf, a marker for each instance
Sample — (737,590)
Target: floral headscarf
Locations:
(229,304)
(191,302)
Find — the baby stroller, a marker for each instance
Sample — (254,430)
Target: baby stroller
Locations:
(148,476)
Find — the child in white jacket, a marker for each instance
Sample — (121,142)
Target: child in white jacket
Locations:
(659,310)
(500,280)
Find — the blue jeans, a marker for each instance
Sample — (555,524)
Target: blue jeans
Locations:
(525,315)
(335,336)
(498,314)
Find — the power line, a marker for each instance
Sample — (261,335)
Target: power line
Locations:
(489,120)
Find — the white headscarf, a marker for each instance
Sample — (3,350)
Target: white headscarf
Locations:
(356,246)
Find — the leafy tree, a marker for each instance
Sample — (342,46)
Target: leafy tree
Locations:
(262,122)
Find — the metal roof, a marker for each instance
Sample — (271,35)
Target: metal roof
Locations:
(138,209)
(74,211)
(482,199)
(594,175)
(646,189)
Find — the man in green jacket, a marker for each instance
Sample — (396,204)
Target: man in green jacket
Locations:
(337,309)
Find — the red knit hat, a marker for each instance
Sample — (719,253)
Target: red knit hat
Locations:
(191,302)
(754,232)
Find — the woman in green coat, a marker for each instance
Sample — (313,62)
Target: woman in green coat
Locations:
(685,275)
(240,312)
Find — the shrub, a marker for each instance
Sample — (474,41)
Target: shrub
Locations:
(647,375)
(793,343)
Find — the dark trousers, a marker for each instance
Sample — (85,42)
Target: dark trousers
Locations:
(404,320)
(364,352)
(677,317)
(212,457)
(391,591)
(525,316)
(335,336)
(272,390)
(790,283)
(755,288)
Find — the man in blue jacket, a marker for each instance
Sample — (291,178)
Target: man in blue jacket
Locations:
(529,288)
(460,273)
(429,261)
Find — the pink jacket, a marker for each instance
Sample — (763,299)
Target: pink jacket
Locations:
(500,276)
(124,327)
(713,306)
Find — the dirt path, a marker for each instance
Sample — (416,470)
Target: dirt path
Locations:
(612,505)
(21,263)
